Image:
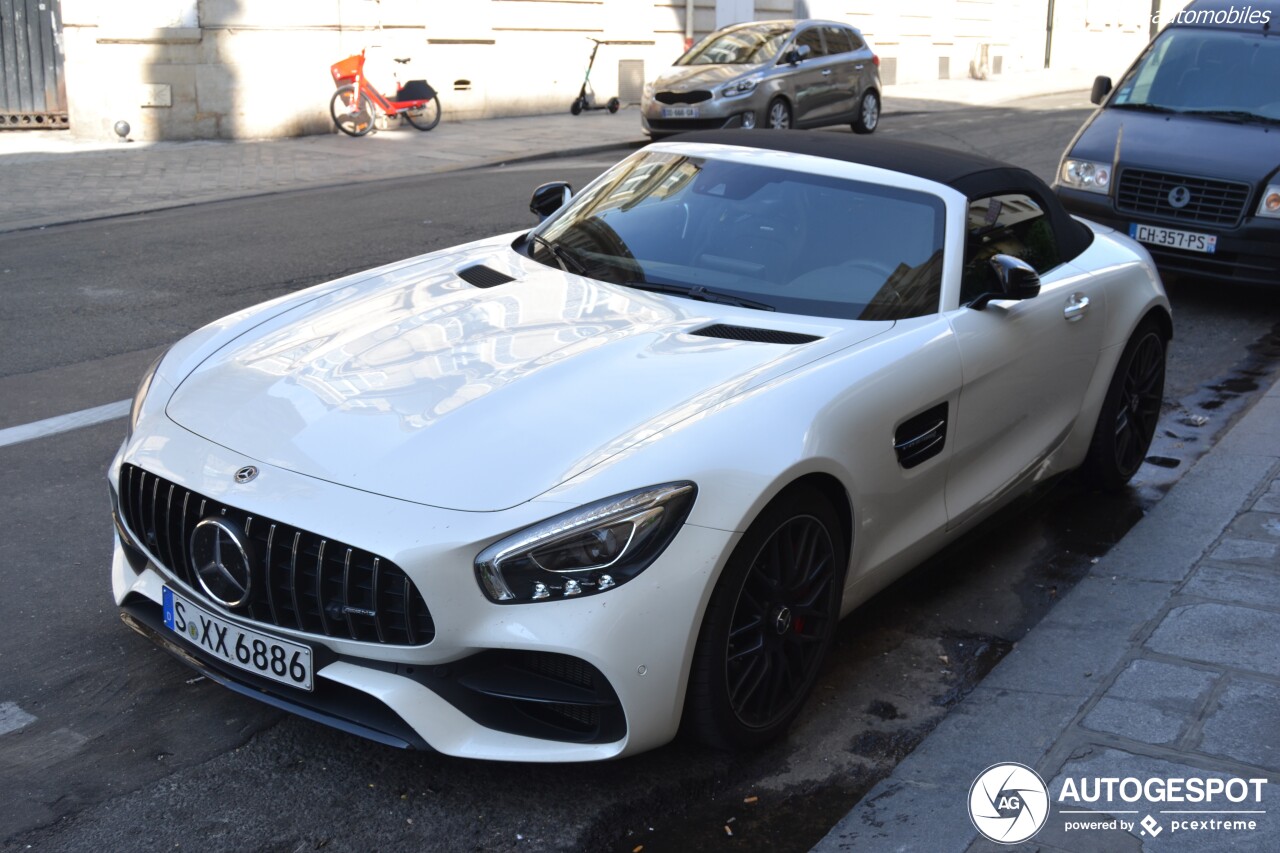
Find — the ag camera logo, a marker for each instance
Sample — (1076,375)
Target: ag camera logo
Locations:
(1008,803)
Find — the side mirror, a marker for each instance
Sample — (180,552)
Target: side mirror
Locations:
(796,54)
(1101,88)
(1016,279)
(549,198)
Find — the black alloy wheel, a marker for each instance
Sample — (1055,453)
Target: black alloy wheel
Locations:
(1127,422)
(769,624)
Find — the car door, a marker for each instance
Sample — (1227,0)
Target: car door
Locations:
(1026,364)
(806,80)
(843,72)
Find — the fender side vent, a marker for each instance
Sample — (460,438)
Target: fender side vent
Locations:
(760,336)
(482,276)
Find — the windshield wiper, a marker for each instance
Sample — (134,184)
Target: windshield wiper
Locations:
(1146,108)
(563,254)
(1241,115)
(698,292)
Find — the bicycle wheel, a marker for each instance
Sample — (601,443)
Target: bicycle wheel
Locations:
(426,116)
(352,118)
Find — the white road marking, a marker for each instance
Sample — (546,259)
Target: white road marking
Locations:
(64,423)
(13,718)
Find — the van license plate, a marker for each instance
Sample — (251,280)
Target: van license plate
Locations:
(1169,238)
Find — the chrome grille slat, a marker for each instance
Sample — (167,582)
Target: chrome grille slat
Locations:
(168,523)
(293,582)
(377,623)
(346,594)
(266,570)
(283,592)
(324,620)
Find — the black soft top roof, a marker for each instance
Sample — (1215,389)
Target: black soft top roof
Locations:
(973,175)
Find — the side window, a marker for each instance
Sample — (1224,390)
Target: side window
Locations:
(813,38)
(856,40)
(1011,224)
(838,40)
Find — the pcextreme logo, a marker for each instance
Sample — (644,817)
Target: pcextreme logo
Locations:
(1009,803)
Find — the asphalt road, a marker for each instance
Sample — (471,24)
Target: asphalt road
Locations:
(125,745)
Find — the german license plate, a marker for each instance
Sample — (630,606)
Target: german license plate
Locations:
(264,655)
(679,112)
(1168,237)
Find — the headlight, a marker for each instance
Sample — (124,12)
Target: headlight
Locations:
(648,92)
(741,87)
(1087,175)
(588,550)
(140,396)
(1270,204)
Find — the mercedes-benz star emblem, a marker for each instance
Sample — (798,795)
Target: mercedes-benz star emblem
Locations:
(246,474)
(221,561)
(1179,197)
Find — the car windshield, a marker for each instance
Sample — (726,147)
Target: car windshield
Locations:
(742,46)
(1227,75)
(730,230)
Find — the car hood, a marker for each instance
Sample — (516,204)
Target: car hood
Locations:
(1179,144)
(419,386)
(686,78)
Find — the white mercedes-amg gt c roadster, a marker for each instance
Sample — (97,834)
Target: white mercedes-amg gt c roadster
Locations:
(560,495)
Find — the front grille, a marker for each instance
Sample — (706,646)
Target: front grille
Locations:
(1211,202)
(300,580)
(697,96)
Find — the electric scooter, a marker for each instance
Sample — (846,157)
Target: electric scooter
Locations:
(586,99)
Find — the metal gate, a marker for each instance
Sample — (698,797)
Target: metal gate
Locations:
(33,93)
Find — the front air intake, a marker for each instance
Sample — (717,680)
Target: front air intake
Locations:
(482,276)
(748,333)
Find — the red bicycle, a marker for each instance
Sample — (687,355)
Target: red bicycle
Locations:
(356,104)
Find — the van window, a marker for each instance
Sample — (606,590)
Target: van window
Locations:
(1195,70)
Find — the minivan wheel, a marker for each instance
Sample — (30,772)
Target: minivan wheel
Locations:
(779,115)
(868,113)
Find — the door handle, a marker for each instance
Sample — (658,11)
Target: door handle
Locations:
(826,73)
(857,67)
(1076,306)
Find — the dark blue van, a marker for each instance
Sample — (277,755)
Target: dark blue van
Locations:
(1184,154)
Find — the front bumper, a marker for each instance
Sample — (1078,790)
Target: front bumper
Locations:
(1246,254)
(714,114)
(496,681)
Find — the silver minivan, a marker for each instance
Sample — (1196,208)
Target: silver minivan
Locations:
(773,74)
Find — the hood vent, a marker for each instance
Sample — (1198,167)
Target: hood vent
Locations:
(760,336)
(482,276)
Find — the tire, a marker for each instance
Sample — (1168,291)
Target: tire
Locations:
(356,122)
(768,625)
(778,116)
(868,113)
(1129,413)
(426,116)
(577,105)
(613,105)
